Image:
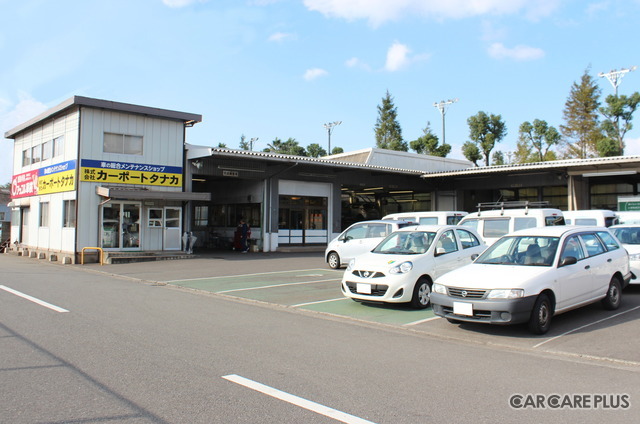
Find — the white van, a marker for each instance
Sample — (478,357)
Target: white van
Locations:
(429,218)
(593,217)
(359,238)
(628,217)
(493,224)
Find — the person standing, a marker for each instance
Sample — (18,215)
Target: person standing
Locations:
(244,235)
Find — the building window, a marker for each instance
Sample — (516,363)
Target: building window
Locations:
(201,216)
(58,146)
(122,143)
(44,214)
(36,152)
(47,150)
(26,157)
(69,214)
(155,217)
(1,216)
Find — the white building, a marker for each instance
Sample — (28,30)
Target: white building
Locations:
(91,173)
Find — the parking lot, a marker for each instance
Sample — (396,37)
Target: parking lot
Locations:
(302,282)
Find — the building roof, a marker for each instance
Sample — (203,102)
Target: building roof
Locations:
(595,165)
(79,101)
(195,152)
(400,159)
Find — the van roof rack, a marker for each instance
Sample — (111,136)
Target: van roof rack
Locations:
(521,204)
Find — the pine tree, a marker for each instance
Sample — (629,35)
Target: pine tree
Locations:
(387,130)
(618,114)
(581,131)
(428,144)
(540,138)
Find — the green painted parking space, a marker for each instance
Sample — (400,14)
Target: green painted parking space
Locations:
(382,313)
(259,281)
(315,290)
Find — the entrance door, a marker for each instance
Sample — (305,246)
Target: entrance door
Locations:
(172,228)
(24,225)
(120,226)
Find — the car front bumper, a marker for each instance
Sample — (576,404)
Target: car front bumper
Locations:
(388,289)
(494,311)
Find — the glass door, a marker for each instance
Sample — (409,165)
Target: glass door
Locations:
(172,228)
(120,226)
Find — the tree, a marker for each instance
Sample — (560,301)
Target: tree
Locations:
(498,158)
(428,144)
(337,150)
(540,137)
(581,131)
(471,152)
(289,147)
(485,131)
(315,150)
(222,145)
(618,115)
(387,130)
(244,144)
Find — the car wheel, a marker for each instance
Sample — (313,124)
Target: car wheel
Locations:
(614,295)
(421,293)
(333,260)
(540,320)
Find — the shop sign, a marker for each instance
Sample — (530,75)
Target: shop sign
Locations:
(56,178)
(100,171)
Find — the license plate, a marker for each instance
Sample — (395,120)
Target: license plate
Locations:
(462,308)
(363,288)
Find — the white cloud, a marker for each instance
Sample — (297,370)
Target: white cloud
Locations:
(179,3)
(354,62)
(520,52)
(632,146)
(314,73)
(279,36)
(378,12)
(397,57)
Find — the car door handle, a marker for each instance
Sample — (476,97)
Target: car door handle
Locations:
(587,267)
(609,260)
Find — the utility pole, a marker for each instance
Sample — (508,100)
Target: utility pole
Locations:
(329,126)
(615,76)
(251,141)
(442,106)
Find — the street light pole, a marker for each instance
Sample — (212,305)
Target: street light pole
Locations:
(615,76)
(442,106)
(329,126)
(251,141)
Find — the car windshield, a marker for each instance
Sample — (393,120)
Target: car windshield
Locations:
(406,243)
(629,235)
(525,250)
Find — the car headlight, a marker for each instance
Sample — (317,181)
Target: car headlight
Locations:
(634,257)
(505,294)
(403,268)
(352,264)
(438,288)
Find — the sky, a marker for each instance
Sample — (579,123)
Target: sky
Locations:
(271,69)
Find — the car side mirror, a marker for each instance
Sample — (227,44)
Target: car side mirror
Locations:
(440,251)
(346,239)
(569,260)
(474,256)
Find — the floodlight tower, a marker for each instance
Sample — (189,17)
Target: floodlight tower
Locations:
(251,141)
(329,126)
(615,77)
(442,106)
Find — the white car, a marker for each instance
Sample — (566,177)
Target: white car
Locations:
(359,238)
(533,274)
(403,266)
(629,236)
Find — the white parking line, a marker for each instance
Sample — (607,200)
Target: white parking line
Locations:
(240,275)
(421,321)
(276,285)
(33,299)
(319,301)
(584,326)
(295,400)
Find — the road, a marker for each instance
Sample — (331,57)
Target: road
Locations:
(128,349)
